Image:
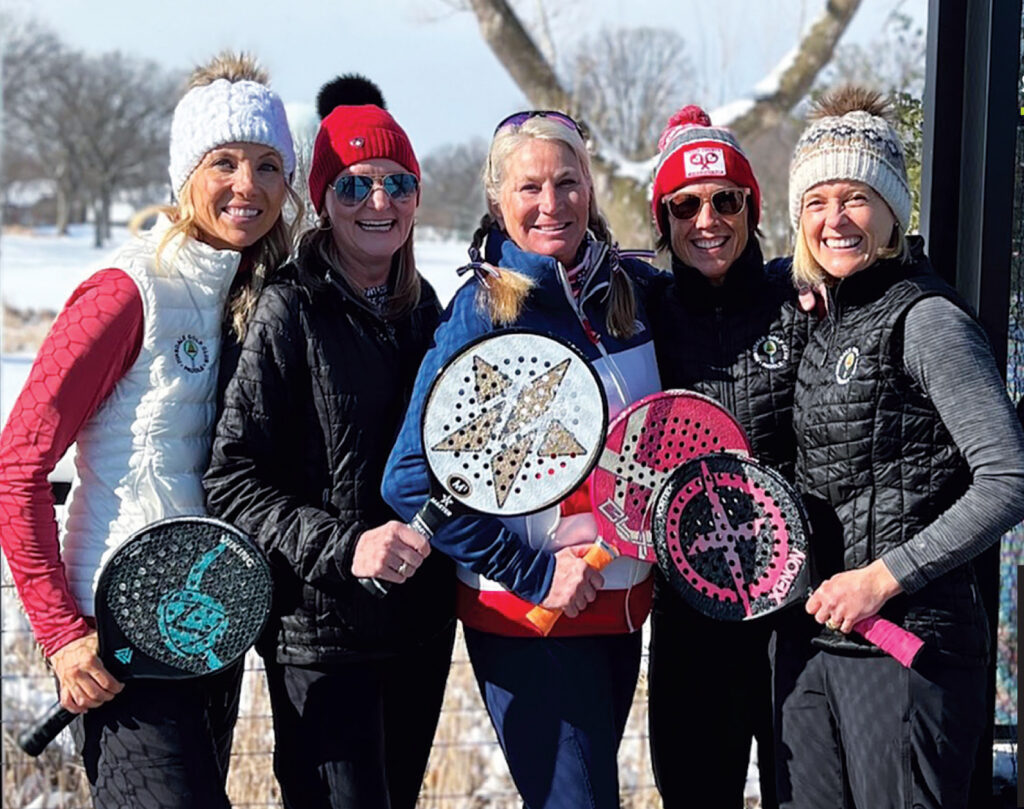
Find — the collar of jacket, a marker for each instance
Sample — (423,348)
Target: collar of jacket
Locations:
(871,283)
(546,272)
(743,285)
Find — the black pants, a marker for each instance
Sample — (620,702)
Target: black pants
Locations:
(357,734)
(859,731)
(709,694)
(162,744)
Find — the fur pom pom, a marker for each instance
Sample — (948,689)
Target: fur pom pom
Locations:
(349,90)
(850,98)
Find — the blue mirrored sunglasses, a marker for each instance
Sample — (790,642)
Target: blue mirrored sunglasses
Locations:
(520,118)
(352,189)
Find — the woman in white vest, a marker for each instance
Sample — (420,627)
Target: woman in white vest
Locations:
(129,372)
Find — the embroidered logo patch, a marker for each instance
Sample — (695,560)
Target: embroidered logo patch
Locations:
(846,367)
(191,354)
(705,161)
(771,352)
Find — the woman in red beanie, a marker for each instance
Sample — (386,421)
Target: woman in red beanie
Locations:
(325,374)
(726,327)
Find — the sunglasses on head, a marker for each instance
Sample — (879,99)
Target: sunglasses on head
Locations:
(726,202)
(352,189)
(520,118)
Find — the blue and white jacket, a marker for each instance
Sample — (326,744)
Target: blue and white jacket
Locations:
(505,566)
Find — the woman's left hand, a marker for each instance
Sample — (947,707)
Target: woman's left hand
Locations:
(853,595)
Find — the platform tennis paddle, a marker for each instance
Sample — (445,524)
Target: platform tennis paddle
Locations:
(645,442)
(182,597)
(511,424)
(732,538)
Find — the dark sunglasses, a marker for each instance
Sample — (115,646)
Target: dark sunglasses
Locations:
(352,189)
(520,118)
(727,202)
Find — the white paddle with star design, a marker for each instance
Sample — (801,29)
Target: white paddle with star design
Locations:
(512,424)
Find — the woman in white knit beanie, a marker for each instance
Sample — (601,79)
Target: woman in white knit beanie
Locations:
(912,453)
(129,373)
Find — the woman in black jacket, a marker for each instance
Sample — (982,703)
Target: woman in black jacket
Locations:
(309,418)
(727,327)
(905,433)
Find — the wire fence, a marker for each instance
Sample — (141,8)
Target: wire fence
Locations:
(466,768)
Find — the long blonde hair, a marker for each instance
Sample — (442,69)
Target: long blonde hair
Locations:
(506,294)
(268,253)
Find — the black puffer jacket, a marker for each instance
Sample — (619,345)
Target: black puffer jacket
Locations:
(309,418)
(874,448)
(739,343)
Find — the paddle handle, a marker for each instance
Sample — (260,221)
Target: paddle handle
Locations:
(598,557)
(33,740)
(426,521)
(890,638)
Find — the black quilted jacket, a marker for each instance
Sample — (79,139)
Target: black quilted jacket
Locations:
(307,423)
(739,343)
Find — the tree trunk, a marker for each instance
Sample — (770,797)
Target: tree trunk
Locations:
(624,199)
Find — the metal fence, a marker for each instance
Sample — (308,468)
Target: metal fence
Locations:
(466,768)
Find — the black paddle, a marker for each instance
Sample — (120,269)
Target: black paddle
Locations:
(180,598)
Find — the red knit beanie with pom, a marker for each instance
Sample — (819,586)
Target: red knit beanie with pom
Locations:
(351,134)
(690,150)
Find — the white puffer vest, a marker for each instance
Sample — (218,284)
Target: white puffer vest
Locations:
(141,456)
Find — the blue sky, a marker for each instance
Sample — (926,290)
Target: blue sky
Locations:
(440,80)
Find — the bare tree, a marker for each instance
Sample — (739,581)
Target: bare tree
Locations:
(626,83)
(453,197)
(623,188)
(93,125)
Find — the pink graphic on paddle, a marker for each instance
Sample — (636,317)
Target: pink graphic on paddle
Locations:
(645,443)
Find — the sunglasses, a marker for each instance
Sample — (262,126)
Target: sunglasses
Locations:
(520,118)
(352,189)
(727,202)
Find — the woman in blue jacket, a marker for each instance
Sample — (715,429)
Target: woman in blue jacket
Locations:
(545,260)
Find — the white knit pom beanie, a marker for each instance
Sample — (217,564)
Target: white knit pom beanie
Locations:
(222,112)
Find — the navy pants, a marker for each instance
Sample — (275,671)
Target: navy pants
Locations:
(862,731)
(162,744)
(357,733)
(709,694)
(559,708)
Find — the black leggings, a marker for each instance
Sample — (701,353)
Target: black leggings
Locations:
(357,734)
(859,731)
(162,744)
(709,695)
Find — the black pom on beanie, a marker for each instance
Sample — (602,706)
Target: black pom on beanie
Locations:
(349,90)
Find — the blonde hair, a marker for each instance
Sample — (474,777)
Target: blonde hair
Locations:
(506,294)
(318,241)
(269,252)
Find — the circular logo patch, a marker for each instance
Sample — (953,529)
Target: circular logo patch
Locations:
(771,352)
(191,354)
(846,367)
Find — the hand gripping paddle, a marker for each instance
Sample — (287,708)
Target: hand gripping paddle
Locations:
(733,539)
(181,598)
(512,424)
(646,441)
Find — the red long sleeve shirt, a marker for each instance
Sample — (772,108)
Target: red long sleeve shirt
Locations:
(94,341)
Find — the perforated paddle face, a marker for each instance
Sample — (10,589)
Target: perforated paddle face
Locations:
(731,537)
(182,597)
(513,423)
(646,441)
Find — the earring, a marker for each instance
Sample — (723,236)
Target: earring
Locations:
(323,223)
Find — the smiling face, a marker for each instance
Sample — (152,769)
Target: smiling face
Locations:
(544,200)
(237,192)
(709,242)
(369,233)
(845,225)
